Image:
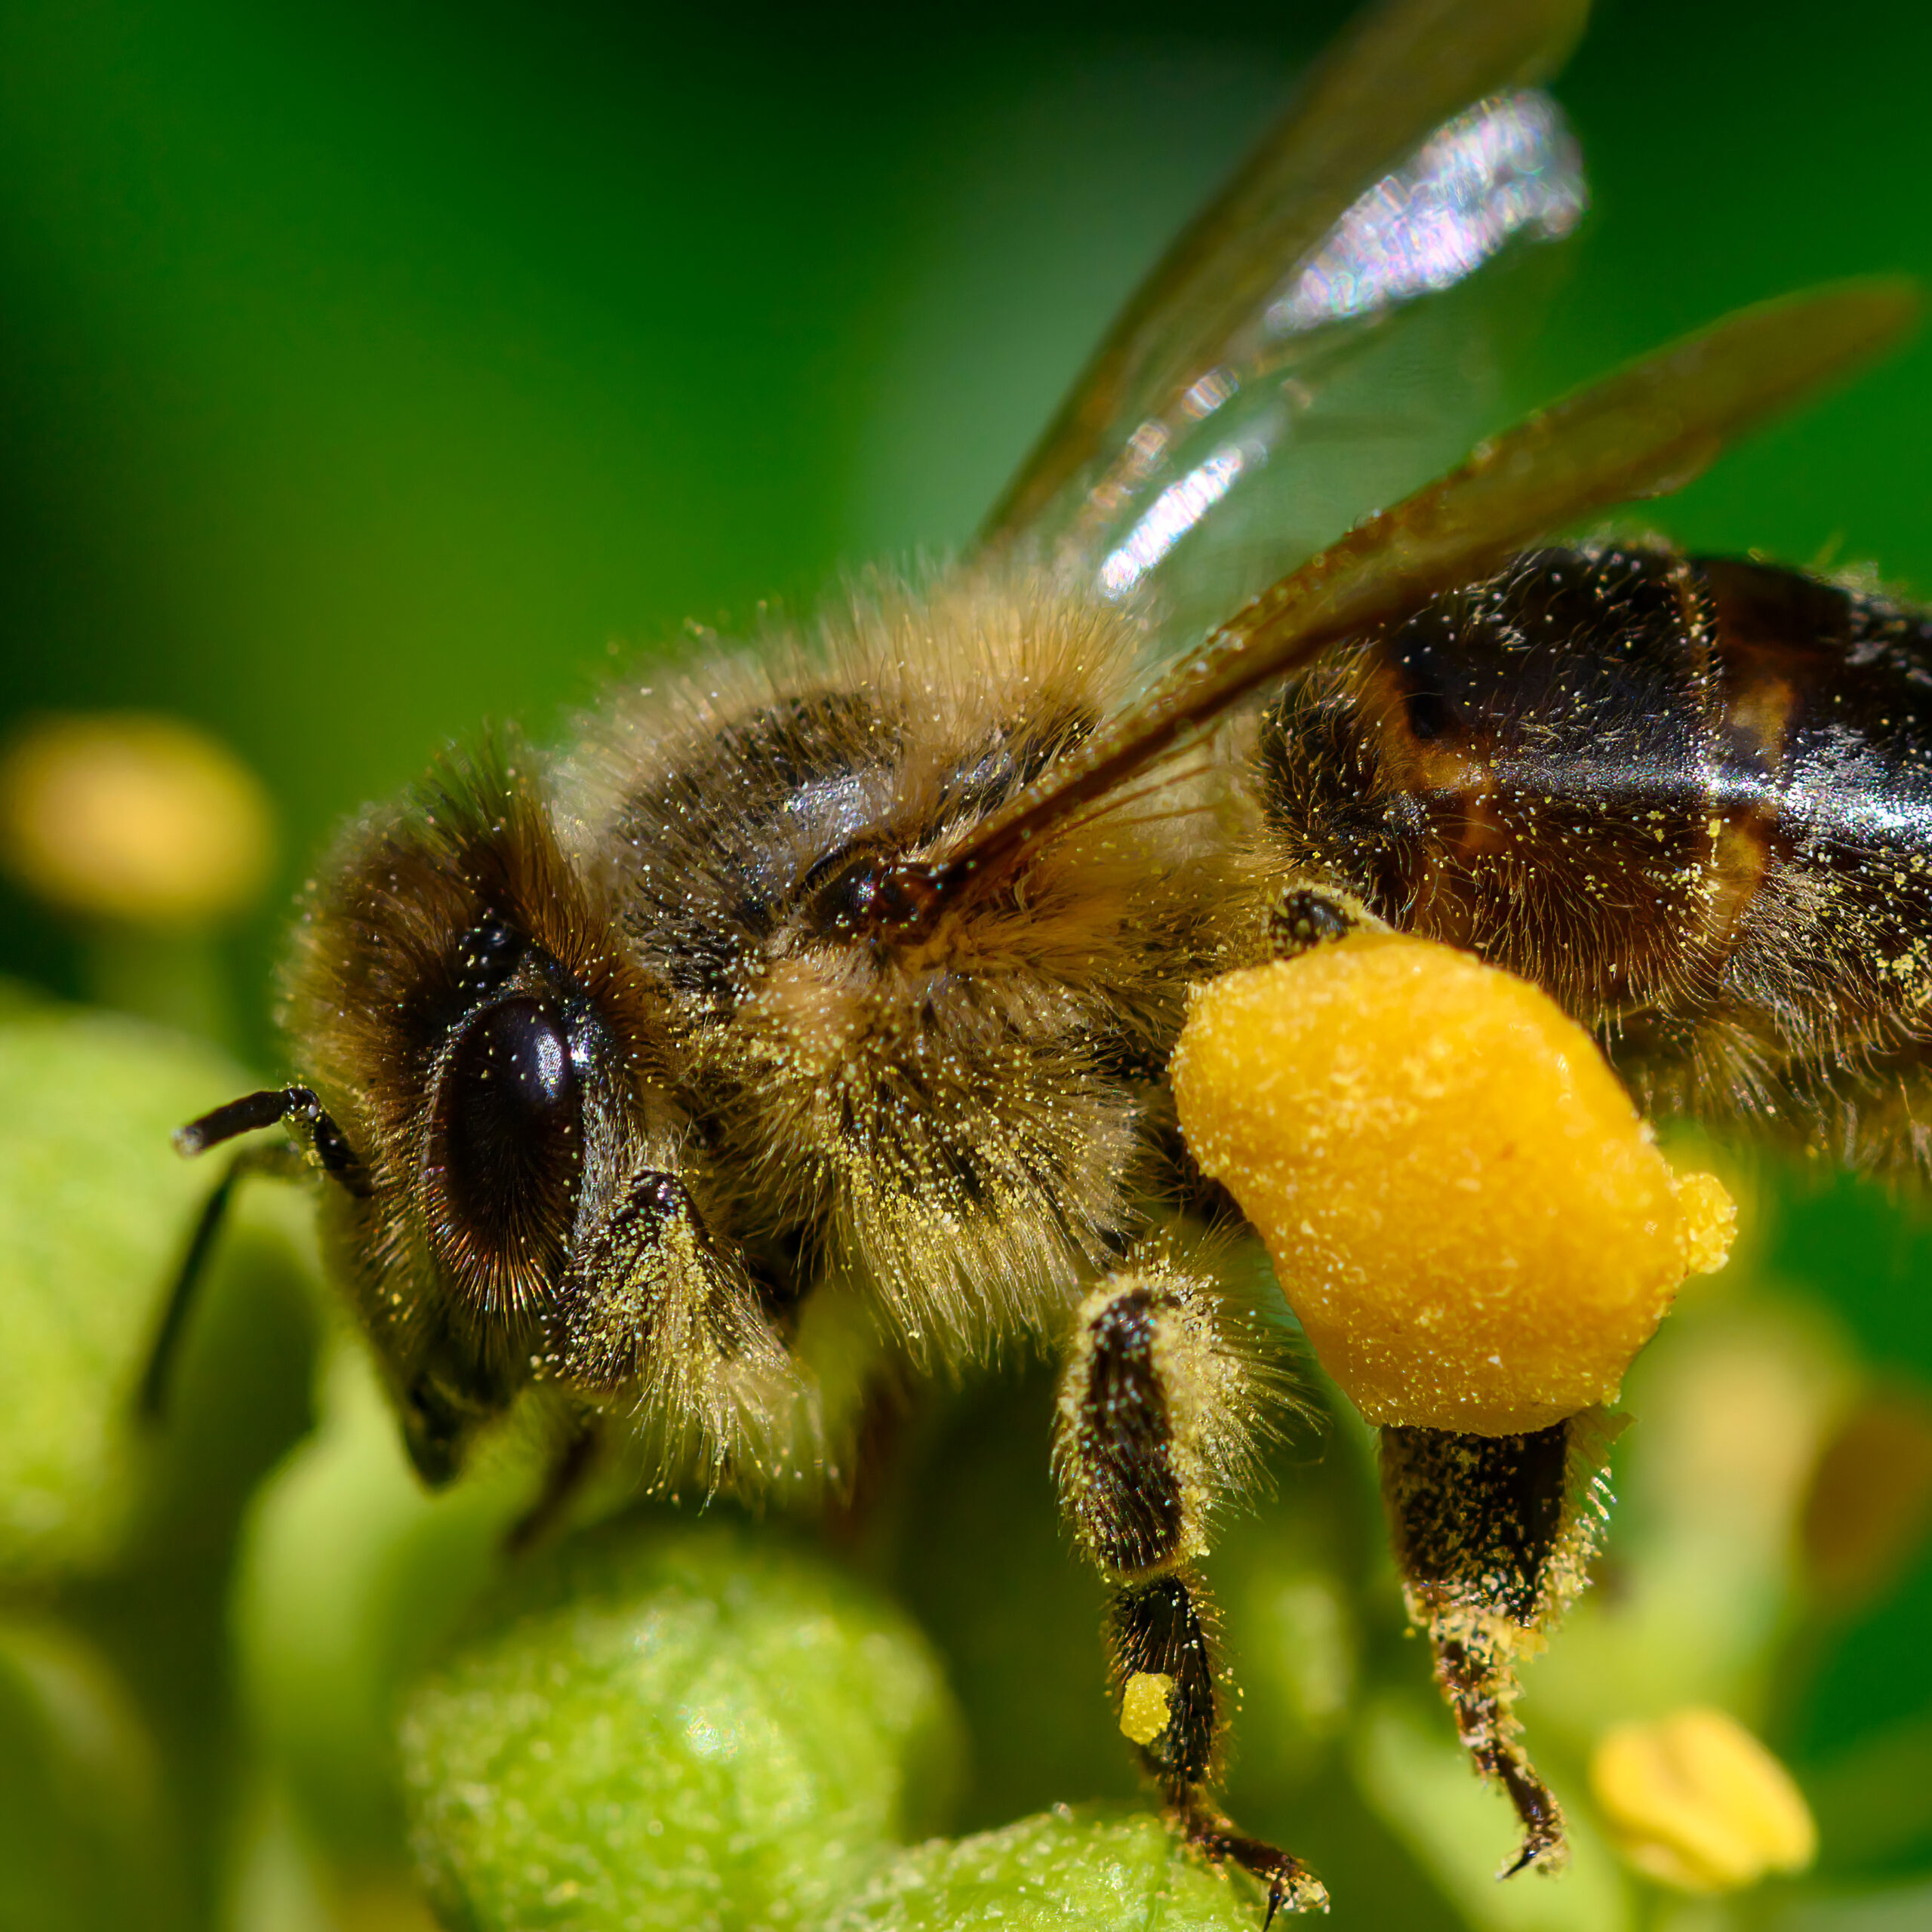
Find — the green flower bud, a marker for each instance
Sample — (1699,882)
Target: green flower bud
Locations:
(95,1211)
(656,1725)
(1070,1871)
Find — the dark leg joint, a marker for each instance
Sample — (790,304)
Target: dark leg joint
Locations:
(1164,1663)
(1129,1498)
(1474,1686)
(1306,916)
(568,1472)
(1478,1516)
(1123,1469)
(1484,1538)
(1165,1671)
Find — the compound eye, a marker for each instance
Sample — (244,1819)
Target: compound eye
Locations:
(511,1122)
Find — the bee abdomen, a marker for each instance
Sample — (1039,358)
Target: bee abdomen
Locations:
(1690,797)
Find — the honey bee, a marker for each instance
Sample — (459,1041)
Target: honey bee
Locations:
(817,999)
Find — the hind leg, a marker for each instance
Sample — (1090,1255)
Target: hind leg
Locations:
(1494,1537)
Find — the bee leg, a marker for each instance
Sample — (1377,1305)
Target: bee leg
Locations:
(280,1163)
(867,1489)
(1493,1535)
(1479,1681)
(659,1313)
(570,1469)
(1306,916)
(1152,1407)
(1160,1635)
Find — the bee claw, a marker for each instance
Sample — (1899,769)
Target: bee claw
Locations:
(1540,1848)
(1291,1885)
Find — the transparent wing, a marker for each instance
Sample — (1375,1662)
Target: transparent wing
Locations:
(1642,433)
(1379,364)
(1309,348)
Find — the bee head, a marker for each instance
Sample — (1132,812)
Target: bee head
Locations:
(459,998)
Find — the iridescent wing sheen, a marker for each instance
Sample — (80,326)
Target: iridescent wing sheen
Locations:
(1309,348)
(1644,431)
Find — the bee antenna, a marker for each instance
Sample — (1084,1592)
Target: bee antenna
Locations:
(253,1112)
(246,1115)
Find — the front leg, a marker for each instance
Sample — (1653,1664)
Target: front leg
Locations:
(1494,1536)
(656,1320)
(316,1135)
(1159,1414)
(573,1462)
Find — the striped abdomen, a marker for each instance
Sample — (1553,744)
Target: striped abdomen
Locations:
(1691,797)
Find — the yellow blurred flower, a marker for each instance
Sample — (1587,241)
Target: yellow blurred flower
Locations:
(138,819)
(1697,1802)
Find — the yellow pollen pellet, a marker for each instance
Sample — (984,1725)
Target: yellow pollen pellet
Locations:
(1463,1206)
(1143,1710)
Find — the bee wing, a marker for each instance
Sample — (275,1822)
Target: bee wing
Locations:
(1645,432)
(1281,360)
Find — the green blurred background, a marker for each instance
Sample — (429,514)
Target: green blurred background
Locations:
(366,372)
